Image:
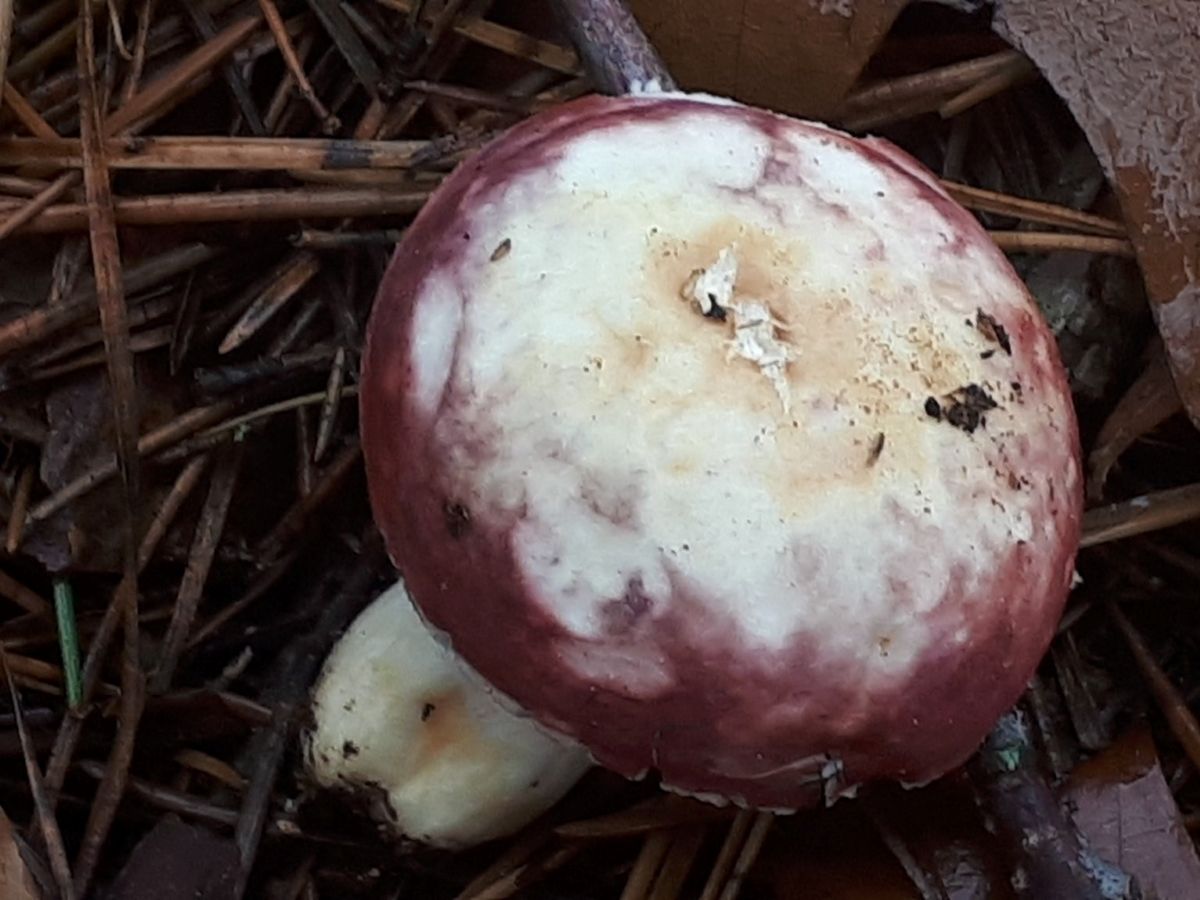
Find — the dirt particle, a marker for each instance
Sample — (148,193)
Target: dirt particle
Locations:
(502,250)
(987,325)
(968,407)
(622,614)
(876,449)
(965,408)
(349,750)
(427,711)
(458,519)
(715,310)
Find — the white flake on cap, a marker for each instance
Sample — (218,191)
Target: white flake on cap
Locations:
(755,329)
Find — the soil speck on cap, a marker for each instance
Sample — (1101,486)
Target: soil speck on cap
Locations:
(715,309)
(964,408)
(877,448)
(968,406)
(502,250)
(458,519)
(992,330)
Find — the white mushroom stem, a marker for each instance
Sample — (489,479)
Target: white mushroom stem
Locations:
(399,717)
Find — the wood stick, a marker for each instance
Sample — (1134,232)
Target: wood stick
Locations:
(20,506)
(1149,512)
(1048,241)
(219,153)
(34,23)
(474,96)
(748,855)
(329,122)
(1030,210)
(58,43)
(40,323)
(137,65)
(153,100)
(1171,701)
(23,596)
(282,98)
(506,40)
(151,442)
(158,93)
(335,22)
(731,847)
(30,211)
(209,529)
(110,289)
(290,279)
(19,186)
(27,115)
(645,868)
(1010,76)
(48,825)
(941,81)
(114,320)
(233,206)
(612,46)
(206,28)
(184,484)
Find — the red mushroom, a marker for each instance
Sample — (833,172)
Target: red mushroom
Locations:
(724,443)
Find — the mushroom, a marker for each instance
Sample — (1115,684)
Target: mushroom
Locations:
(725,444)
(398,719)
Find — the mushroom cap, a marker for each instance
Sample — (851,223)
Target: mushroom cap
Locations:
(444,761)
(726,444)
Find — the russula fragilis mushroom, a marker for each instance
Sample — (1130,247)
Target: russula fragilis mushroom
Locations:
(399,719)
(726,444)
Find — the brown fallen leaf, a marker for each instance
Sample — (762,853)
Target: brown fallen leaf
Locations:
(796,56)
(1149,402)
(80,432)
(16,882)
(1121,803)
(842,853)
(1128,72)
(176,860)
(78,416)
